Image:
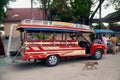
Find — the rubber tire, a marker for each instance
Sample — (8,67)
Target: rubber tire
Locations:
(97,54)
(52,60)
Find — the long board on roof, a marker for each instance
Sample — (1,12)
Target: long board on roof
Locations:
(54,25)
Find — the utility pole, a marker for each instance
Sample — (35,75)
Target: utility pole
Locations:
(100,14)
(99,5)
(32,15)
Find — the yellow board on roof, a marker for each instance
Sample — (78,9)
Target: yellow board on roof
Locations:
(62,24)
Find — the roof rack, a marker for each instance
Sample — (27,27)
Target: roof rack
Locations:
(44,22)
(55,23)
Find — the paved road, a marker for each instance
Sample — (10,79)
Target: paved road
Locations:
(108,69)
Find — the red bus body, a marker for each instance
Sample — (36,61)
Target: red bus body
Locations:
(67,44)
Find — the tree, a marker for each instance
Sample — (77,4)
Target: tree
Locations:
(115,15)
(82,10)
(99,5)
(45,6)
(71,10)
(59,10)
(3,4)
(116,3)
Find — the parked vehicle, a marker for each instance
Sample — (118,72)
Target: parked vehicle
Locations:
(51,41)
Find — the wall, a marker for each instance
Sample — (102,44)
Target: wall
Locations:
(7,28)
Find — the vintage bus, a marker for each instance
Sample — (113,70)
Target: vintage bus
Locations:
(50,41)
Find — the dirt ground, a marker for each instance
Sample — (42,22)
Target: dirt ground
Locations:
(108,69)
(72,69)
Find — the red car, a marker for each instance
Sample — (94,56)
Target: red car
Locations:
(51,41)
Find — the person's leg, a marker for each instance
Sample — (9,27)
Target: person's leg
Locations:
(114,49)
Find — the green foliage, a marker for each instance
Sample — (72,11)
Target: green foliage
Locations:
(70,10)
(45,6)
(116,4)
(3,4)
(82,8)
(92,37)
(38,37)
(43,36)
(60,10)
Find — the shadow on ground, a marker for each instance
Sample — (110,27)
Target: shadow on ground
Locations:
(26,65)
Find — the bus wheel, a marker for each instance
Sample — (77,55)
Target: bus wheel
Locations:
(52,60)
(97,55)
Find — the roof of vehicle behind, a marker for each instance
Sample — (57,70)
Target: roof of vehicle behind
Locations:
(103,31)
(53,26)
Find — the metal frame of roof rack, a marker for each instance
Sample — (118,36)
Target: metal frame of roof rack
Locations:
(55,23)
(44,22)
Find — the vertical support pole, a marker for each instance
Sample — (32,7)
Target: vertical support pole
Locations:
(100,26)
(66,39)
(54,35)
(100,14)
(32,9)
(9,41)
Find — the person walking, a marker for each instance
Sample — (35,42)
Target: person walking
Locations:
(104,40)
(114,41)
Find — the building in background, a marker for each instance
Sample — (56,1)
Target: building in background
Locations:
(16,15)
